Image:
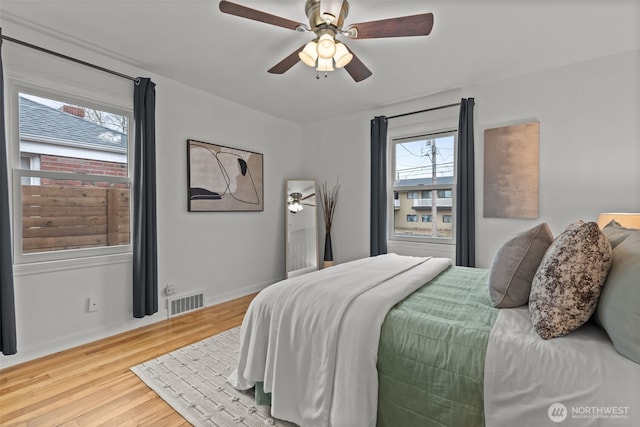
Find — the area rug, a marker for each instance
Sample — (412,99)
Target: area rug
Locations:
(193,381)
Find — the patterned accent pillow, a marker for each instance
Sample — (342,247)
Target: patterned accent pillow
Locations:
(567,285)
(515,264)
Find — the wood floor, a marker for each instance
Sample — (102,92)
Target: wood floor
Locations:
(91,385)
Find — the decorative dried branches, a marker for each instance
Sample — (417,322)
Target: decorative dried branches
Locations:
(328,198)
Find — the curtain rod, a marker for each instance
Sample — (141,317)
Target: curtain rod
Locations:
(69,58)
(424,111)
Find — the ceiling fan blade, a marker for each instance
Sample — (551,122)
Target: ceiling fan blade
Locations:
(356,69)
(404,26)
(288,62)
(308,196)
(257,15)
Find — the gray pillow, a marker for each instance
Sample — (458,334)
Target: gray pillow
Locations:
(619,307)
(515,264)
(567,285)
(616,233)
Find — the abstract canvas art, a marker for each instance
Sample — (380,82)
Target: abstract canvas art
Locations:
(511,165)
(223,179)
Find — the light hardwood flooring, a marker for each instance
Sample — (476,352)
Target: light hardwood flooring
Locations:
(92,385)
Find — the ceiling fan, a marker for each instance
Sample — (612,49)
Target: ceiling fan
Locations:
(296,200)
(326,20)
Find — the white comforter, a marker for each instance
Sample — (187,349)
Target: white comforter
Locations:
(313,339)
(525,375)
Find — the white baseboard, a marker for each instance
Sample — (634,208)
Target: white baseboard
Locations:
(65,343)
(237,293)
(53,346)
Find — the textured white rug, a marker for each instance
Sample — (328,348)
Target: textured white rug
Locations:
(193,380)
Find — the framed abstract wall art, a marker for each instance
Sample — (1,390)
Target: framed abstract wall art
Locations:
(221,178)
(511,168)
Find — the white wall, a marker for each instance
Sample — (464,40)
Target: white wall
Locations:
(341,154)
(589,149)
(226,255)
(589,117)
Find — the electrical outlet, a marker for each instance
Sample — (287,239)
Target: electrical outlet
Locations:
(93,304)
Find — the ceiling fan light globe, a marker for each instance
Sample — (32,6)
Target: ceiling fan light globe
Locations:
(308,55)
(326,46)
(325,64)
(295,207)
(293,203)
(342,55)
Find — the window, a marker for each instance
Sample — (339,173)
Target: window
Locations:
(423,168)
(412,195)
(444,194)
(412,218)
(74,179)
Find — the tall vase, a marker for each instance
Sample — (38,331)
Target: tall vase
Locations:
(328,251)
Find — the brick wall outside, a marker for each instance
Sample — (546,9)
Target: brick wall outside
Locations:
(74,165)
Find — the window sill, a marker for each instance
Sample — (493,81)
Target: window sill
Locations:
(440,250)
(422,240)
(43,267)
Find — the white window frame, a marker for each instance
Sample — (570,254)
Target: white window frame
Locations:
(73,96)
(404,135)
(34,165)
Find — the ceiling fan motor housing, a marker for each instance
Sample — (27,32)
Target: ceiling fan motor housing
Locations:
(316,18)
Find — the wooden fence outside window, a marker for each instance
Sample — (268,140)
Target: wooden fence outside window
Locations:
(70,217)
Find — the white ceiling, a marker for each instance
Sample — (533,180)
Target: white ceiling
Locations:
(191,41)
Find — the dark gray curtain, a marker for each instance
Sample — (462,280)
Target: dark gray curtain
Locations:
(145,260)
(465,198)
(378,186)
(8,342)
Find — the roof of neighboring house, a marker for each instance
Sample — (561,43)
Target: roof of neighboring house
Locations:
(45,123)
(441,180)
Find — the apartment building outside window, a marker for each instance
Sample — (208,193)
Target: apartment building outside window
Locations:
(423,179)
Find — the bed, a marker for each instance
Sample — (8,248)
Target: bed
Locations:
(407,341)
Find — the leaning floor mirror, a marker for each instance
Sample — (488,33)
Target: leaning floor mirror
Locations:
(302,230)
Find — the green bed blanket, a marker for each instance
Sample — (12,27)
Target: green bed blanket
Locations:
(432,352)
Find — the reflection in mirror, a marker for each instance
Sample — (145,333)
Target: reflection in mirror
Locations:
(302,232)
